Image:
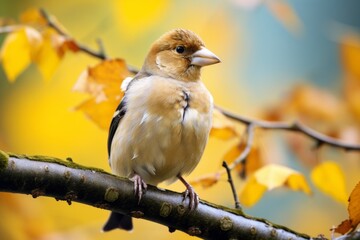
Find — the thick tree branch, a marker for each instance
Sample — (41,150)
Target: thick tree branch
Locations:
(65,180)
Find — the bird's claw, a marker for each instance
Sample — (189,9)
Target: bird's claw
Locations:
(139,186)
(193,197)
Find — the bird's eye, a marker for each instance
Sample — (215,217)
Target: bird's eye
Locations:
(180,49)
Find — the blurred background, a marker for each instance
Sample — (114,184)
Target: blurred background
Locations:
(274,54)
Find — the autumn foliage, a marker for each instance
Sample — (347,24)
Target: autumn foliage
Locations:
(33,41)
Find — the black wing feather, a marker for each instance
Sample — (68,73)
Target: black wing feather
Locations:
(121,109)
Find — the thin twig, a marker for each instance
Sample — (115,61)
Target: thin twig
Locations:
(296,126)
(101,46)
(232,185)
(51,23)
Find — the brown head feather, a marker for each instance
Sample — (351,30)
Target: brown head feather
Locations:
(163,60)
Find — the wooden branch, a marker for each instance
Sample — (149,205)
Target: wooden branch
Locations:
(51,23)
(65,180)
(100,54)
(321,139)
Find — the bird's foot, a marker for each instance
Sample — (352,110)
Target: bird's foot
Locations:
(139,186)
(190,192)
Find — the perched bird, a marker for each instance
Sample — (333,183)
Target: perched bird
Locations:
(160,129)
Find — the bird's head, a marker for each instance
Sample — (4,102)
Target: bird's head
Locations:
(178,54)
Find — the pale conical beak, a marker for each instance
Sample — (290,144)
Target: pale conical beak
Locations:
(204,57)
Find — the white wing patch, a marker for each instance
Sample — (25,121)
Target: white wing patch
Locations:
(116,113)
(125,83)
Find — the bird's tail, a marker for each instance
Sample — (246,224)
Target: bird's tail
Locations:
(118,220)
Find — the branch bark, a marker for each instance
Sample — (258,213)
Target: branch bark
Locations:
(66,180)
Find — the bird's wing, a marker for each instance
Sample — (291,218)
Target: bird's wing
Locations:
(119,114)
(121,110)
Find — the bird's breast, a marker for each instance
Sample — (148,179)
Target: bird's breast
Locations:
(164,131)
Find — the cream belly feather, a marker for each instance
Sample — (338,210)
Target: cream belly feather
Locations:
(164,131)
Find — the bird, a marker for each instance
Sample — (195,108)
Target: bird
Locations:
(160,128)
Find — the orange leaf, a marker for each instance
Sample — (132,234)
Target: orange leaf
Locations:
(330,179)
(99,112)
(68,45)
(222,127)
(234,152)
(253,160)
(350,54)
(354,212)
(352,94)
(315,103)
(105,77)
(60,43)
(354,207)
(344,227)
(285,14)
(103,82)
(206,181)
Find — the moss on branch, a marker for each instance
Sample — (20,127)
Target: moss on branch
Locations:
(4,159)
(68,181)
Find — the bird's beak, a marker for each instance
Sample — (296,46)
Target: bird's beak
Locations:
(204,57)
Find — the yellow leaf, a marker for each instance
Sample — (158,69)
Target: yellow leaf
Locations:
(48,58)
(298,182)
(103,82)
(273,176)
(206,181)
(269,177)
(252,192)
(33,16)
(329,178)
(222,127)
(18,51)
